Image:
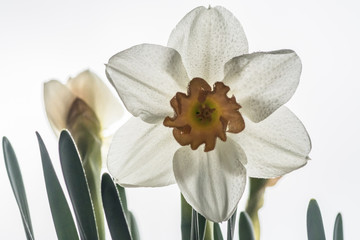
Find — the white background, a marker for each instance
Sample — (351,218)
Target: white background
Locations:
(42,40)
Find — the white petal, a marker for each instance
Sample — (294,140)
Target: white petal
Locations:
(262,82)
(90,88)
(57,99)
(141,155)
(213,182)
(206,39)
(147,77)
(275,146)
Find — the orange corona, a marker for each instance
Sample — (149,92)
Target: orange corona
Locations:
(203,114)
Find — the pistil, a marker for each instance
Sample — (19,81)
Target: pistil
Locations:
(204,113)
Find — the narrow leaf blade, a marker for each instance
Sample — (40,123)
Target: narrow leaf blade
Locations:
(17,184)
(246,231)
(231,226)
(202,226)
(338,228)
(315,228)
(133,225)
(61,214)
(129,215)
(217,232)
(122,196)
(186,214)
(194,226)
(77,186)
(114,211)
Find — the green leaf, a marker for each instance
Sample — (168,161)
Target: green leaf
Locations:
(63,220)
(133,225)
(85,129)
(129,215)
(77,186)
(188,219)
(114,211)
(231,226)
(338,228)
(202,226)
(217,232)
(122,196)
(186,213)
(194,226)
(315,228)
(246,231)
(15,177)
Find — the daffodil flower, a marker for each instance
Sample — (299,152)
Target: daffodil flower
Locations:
(85,92)
(208,113)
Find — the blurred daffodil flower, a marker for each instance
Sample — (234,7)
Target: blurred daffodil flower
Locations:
(188,130)
(85,93)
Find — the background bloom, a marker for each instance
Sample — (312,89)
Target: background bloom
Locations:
(210,44)
(87,86)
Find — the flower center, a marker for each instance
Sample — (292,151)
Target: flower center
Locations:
(202,115)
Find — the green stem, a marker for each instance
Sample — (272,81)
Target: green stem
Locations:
(209,230)
(92,165)
(85,128)
(255,202)
(186,214)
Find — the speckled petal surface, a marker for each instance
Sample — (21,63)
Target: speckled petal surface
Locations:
(146,77)
(213,182)
(57,99)
(275,146)
(90,88)
(207,38)
(141,155)
(263,81)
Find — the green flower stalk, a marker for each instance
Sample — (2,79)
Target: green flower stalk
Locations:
(256,200)
(186,222)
